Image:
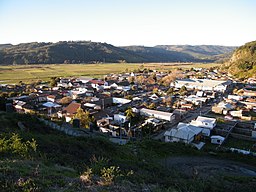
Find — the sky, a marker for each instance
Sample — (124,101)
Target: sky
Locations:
(129,22)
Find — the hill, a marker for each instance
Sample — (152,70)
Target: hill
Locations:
(207,53)
(94,52)
(3,46)
(40,159)
(243,61)
(155,54)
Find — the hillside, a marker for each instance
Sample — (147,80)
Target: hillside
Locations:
(243,62)
(94,52)
(40,159)
(210,53)
(65,52)
(155,54)
(3,46)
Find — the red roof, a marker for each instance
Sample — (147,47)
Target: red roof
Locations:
(72,108)
(95,81)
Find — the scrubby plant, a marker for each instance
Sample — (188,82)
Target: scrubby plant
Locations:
(109,174)
(15,146)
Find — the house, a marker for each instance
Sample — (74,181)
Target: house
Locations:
(249,93)
(217,139)
(51,107)
(235,97)
(92,106)
(199,93)
(124,85)
(84,79)
(19,106)
(238,113)
(51,98)
(186,133)
(251,81)
(204,122)
(81,91)
(117,100)
(187,106)
(120,118)
(157,114)
(202,84)
(69,111)
(196,100)
(97,84)
(222,108)
(154,97)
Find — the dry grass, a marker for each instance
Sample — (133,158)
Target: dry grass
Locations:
(29,73)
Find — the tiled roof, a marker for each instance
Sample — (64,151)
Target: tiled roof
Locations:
(72,108)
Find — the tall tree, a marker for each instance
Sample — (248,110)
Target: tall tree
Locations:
(84,117)
(129,114)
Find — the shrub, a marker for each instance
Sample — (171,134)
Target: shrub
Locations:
(109,174)
(15,146)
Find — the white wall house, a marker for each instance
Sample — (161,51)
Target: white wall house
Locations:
(235,97)
(121,100)
(202,84)
(216,139)
(206,123)
(157,114)
(183,133)
(119,118)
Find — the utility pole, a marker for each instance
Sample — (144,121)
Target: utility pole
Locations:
(200,108)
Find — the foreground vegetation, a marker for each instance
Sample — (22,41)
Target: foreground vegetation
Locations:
(40,159)
(29,73)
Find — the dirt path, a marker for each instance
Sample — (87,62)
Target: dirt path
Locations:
(208,166)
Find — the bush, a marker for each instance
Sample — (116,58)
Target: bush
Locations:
(109,174)
(14,146)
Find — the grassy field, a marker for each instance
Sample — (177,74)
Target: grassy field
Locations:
(29,73)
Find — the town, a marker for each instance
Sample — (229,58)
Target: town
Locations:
(201,107)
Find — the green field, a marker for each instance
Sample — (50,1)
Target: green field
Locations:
(29,73)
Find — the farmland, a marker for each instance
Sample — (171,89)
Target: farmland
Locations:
(30,73)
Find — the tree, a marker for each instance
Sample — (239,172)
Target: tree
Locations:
(66,100)
(152,106)
(140,79)
(175,74)
(168,101)
(183,89)
(131,79)
(54,81)
(170,91)
(154,77)
(155,90)
(84,117)
(129,114)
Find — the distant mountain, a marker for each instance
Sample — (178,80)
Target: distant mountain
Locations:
(94,52)
(243,61)
(155,54)
(3,46)
(208,53)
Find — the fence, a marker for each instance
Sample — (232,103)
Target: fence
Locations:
(68,130)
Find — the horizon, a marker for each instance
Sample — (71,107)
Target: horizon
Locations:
(126,23)
(120,45)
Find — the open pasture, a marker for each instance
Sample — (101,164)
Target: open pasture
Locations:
(29,73)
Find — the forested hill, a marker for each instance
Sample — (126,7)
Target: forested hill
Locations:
(203,52)
(243,62)
(94,52)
